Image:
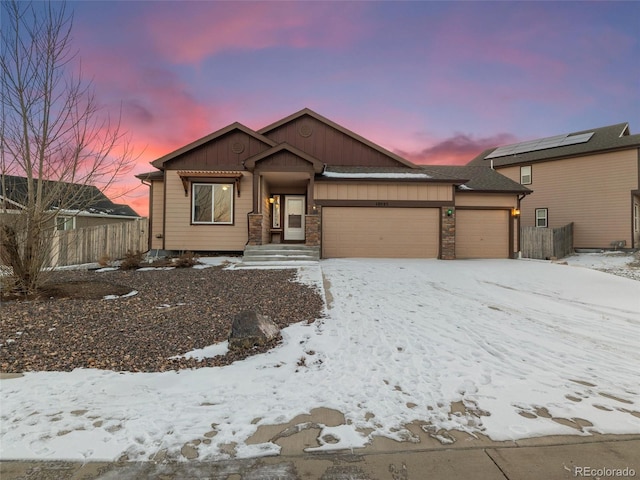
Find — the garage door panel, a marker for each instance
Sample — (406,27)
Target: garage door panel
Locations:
(482,233)
(380,232)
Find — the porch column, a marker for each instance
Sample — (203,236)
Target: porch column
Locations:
(255,228)
(310,198)
(313,228)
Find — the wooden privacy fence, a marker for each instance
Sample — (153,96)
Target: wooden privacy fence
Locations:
(545,243)
(90,244)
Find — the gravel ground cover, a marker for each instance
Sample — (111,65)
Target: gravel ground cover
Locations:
(622,264)
(630,270)
(173,312)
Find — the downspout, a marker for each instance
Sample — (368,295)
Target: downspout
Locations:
(248,213)
(149,226)
(520,198)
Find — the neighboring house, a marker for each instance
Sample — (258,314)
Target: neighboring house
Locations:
(306,179)
(75,205)
(590,178)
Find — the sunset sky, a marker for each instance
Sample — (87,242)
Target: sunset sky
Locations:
(436,82)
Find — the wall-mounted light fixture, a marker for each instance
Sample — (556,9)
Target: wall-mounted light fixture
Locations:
(515,212)
(272,200)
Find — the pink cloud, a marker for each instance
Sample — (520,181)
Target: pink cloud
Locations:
(202,29)
(456,150)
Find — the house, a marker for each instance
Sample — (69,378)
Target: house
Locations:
(74,205)
(71,207)
(590,178)
(306,179)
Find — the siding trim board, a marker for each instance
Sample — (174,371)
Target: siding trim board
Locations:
(635,200)
(164,209)
(385,203)
(471,207)
(638,168)
(322,179)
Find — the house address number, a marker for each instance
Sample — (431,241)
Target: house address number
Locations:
(382,204)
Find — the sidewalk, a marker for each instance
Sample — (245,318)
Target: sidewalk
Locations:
(548,458)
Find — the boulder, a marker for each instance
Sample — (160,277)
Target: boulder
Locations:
(250,329)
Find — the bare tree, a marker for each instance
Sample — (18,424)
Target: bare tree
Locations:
(53,134)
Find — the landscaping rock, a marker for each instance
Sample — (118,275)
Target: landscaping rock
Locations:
(250,329)
(175,311)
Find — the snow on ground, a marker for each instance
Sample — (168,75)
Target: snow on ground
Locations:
(516,342)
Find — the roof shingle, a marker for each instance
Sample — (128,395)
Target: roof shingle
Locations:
(68,196)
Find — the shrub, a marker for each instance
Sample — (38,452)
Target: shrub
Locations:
(132,260)
(186,260)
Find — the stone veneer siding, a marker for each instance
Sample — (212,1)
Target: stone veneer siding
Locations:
(312,230)
(255,229)
(448,234)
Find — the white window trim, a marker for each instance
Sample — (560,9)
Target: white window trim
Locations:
(545,217)
(213,215)
(69,221)
(526,175)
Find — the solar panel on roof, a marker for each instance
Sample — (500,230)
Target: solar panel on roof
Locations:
(576,139)
(540,144)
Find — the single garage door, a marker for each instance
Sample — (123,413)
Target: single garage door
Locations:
(482,233)
(380,232)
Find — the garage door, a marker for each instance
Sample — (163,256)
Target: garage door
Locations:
(380,232)
(482,233)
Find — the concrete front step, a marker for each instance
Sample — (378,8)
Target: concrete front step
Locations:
(282,247)
(279,258)
(280,253)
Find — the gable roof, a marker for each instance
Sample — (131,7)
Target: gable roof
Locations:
(159,163)
(603,139)
(479,178)
(308,112)
(85,198)
(250,163)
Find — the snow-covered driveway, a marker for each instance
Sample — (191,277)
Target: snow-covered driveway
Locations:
(509,349)
(516,339)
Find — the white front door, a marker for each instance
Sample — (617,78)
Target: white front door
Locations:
(294,210)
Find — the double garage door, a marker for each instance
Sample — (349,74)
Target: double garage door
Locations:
(380,232)
(411,233)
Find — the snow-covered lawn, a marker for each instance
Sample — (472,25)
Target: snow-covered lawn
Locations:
(530,348)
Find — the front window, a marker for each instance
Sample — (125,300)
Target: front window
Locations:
(542,217)
(525,175)
(212,203)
